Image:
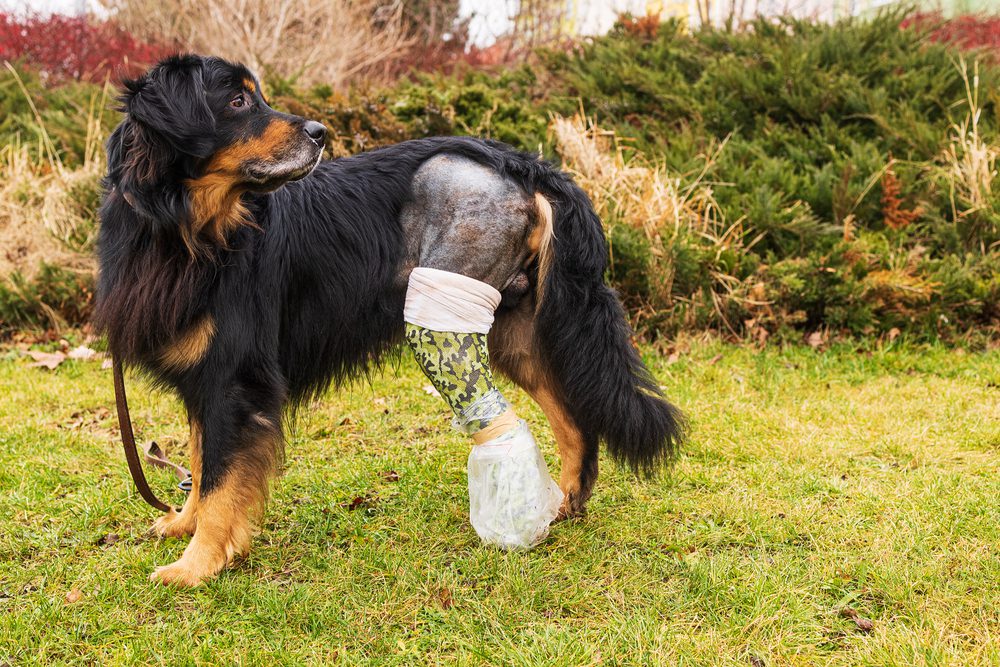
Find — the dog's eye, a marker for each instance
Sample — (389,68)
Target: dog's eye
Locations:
(238,102)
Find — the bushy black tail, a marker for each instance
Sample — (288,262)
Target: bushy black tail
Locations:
(582,332)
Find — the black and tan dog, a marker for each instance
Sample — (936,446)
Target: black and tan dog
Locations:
(242,271)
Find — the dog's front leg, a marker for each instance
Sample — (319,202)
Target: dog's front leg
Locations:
(240,449)
(182,523)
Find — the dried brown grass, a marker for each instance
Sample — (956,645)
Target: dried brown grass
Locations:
(668,209)
(970,160)
(312,41)
(47,211)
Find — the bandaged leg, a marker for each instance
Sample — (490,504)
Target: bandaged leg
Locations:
(512,498)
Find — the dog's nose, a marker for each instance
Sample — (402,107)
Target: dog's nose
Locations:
(316,131)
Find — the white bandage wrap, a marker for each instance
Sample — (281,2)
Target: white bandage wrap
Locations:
(444,301)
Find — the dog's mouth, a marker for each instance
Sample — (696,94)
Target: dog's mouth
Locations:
(267,176)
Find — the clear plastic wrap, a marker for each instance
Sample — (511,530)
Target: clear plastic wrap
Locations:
(512,498)
(477,416)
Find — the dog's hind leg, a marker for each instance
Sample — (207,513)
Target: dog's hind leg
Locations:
(179,524)
(515,355)
(468,220)
(470,230)
(241,445)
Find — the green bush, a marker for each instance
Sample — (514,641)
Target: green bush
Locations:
(68,115)
(813,117)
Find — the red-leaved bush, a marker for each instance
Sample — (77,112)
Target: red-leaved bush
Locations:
(64,48)
(448,57)
(968,31)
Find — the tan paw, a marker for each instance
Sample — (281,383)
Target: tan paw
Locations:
(174,524)
(571,507)
(180,574)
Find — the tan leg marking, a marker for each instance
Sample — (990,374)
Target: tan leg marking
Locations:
(179,524)
(569,443)
(540,243)
(513,354)
(227,515)
(191,347)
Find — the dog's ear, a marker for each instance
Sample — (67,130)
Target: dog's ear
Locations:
(138,159)
(171,101)
(137,154)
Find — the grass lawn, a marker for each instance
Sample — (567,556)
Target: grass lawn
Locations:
(816,485)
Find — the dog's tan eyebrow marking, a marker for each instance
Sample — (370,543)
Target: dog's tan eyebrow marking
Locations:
(250,85)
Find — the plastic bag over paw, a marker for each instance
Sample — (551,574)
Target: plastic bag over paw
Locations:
(512,498)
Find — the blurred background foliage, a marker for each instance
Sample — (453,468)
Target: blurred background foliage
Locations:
(782,180)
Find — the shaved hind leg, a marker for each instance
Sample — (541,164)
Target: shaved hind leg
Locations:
(515,355)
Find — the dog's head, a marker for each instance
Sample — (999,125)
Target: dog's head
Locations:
(198,135)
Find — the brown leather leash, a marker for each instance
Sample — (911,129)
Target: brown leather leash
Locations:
(128,444)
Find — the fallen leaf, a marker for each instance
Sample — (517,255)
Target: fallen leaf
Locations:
(760,334)
(714,360)
(47,359)
(893,334)
(390,476)
(815,339)
(74,596)
(673,358)
(83,353)
(431,391)
(360,501)
(755,661)
(444,597)
(863,624)
(107,540)
(29,338)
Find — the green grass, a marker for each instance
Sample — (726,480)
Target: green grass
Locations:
(813,482)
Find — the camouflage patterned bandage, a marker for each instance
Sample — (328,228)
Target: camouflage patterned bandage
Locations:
(458,366)
(447,318)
